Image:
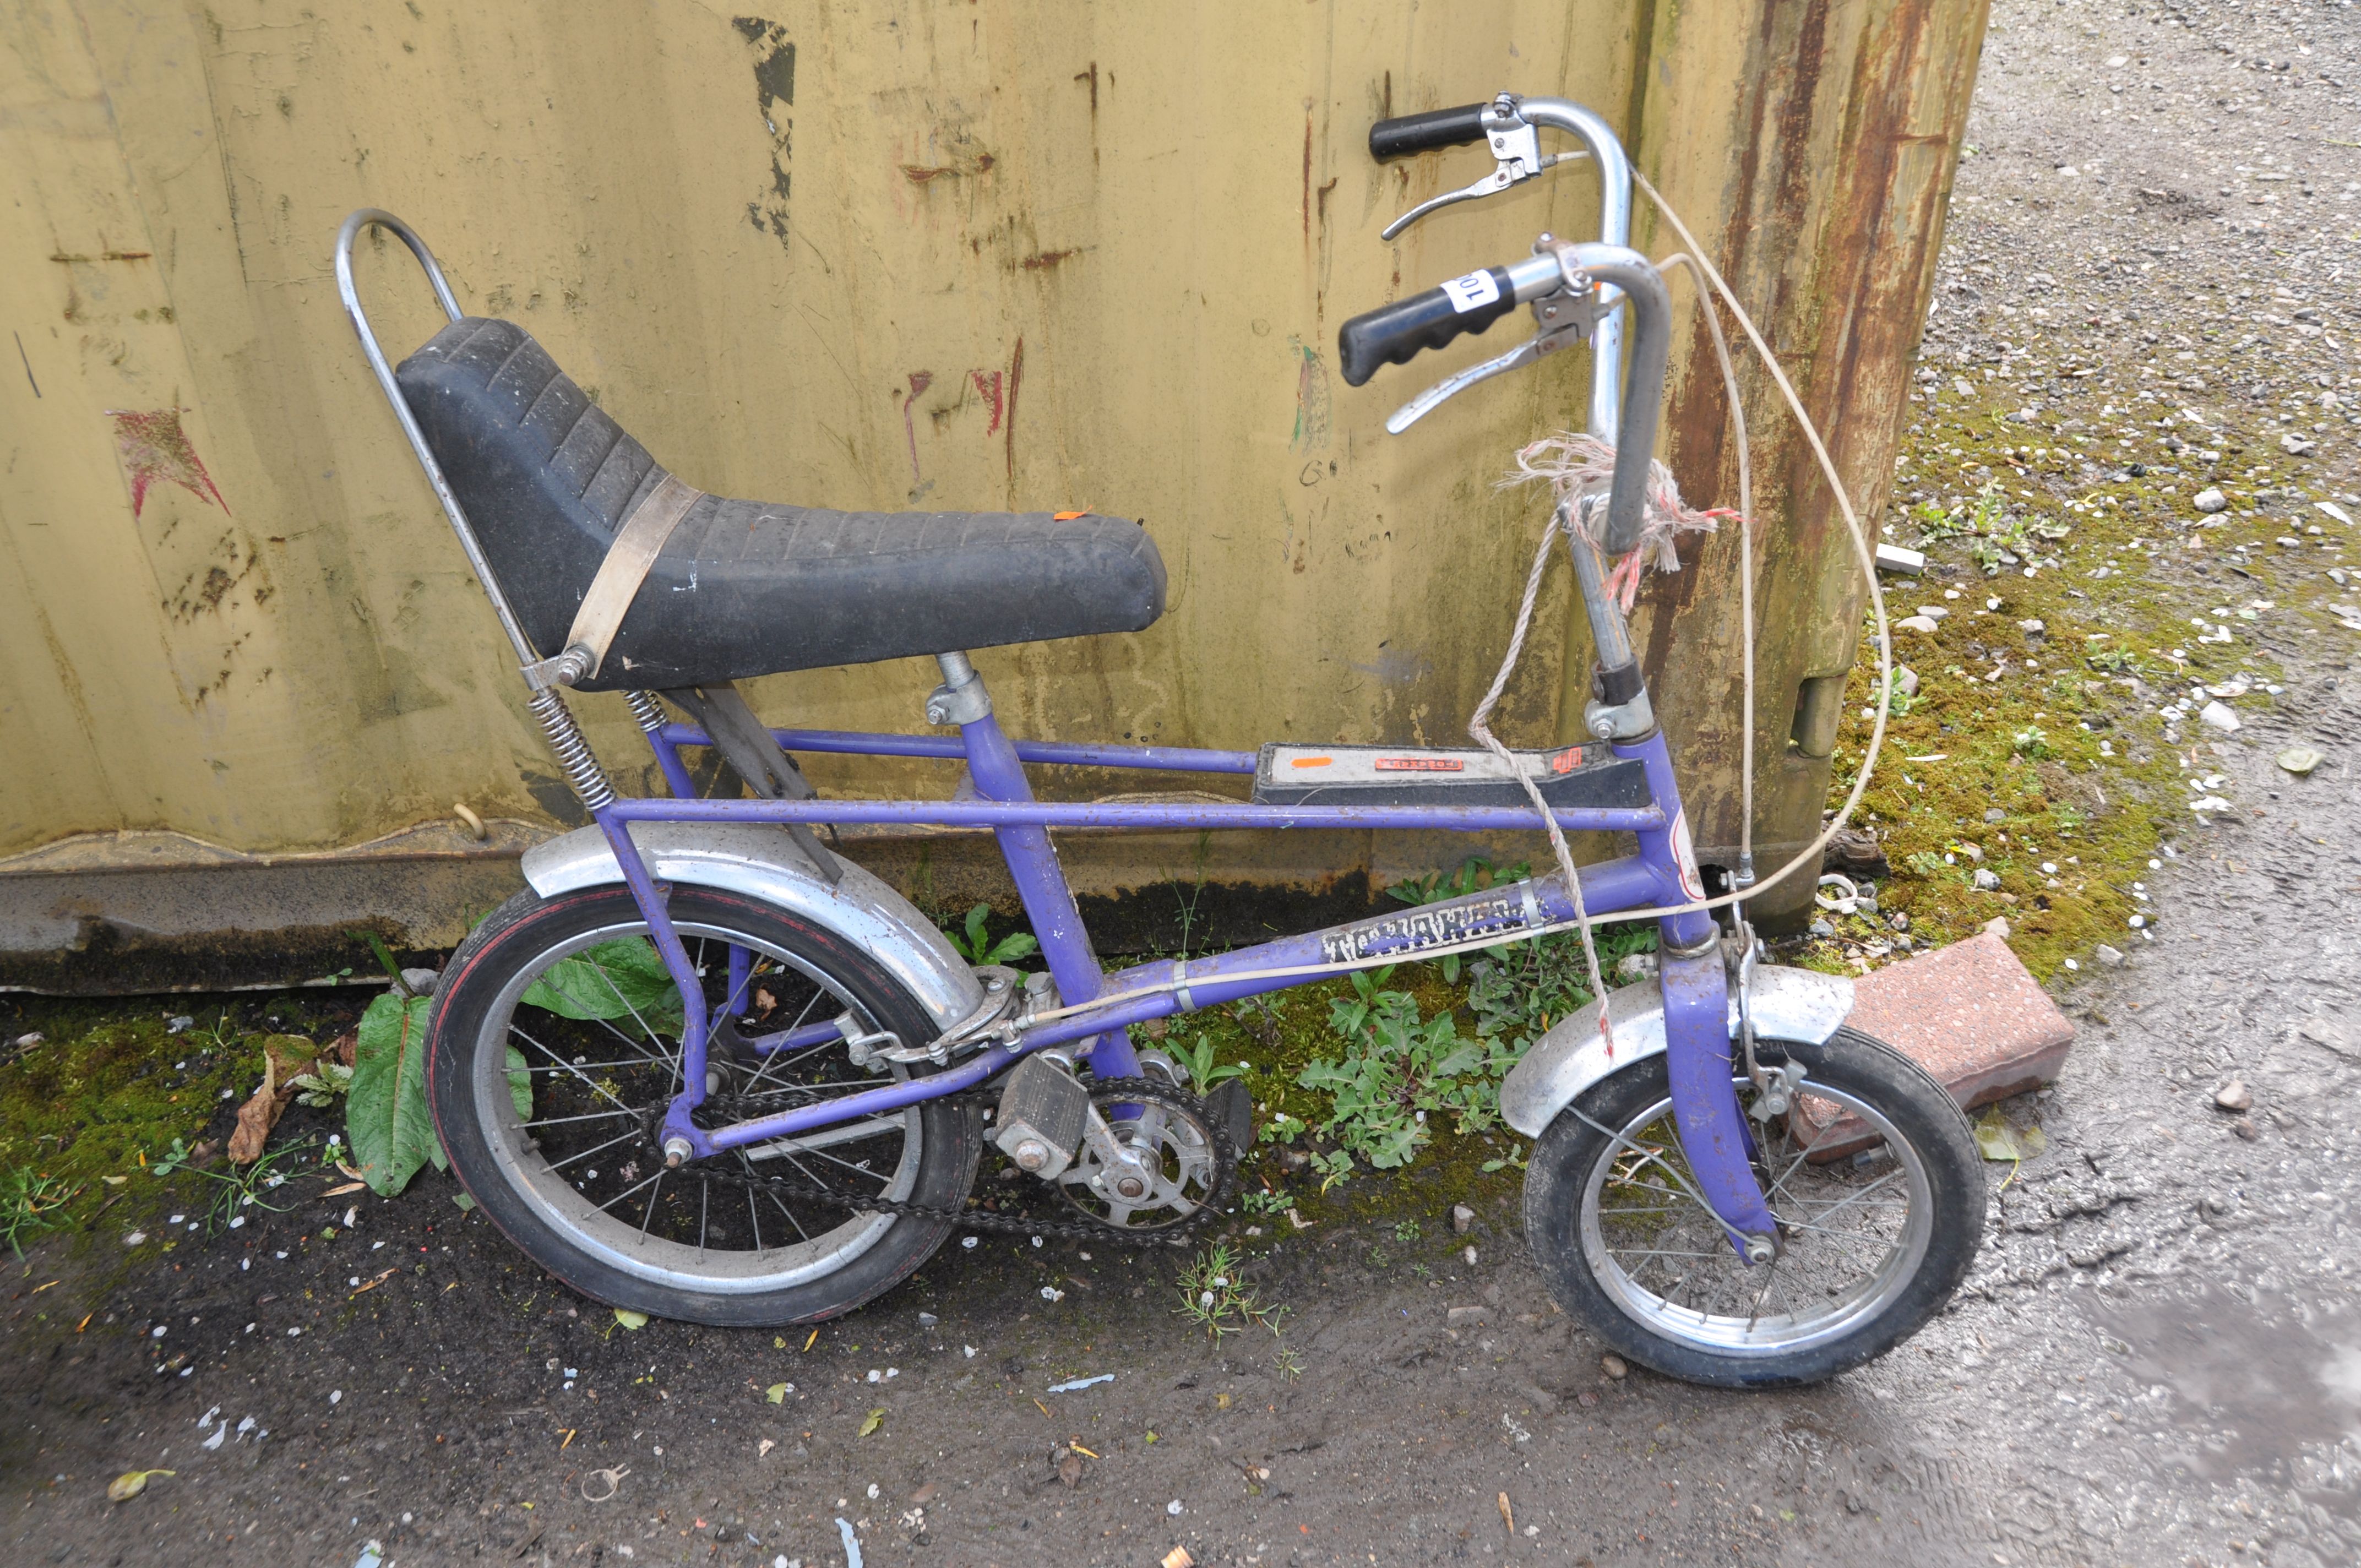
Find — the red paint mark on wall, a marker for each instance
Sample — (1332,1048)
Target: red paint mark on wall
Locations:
(988,384)
(1040,260)
(154,448)
(919,381)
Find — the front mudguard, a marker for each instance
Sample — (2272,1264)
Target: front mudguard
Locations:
(1787,1005)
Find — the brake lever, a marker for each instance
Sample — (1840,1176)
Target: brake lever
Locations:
(1566,317)
(1517,153)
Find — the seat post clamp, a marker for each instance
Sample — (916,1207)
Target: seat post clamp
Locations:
(960,699)
(566,669)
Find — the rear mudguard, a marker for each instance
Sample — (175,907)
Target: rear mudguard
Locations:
(1787,1005)
(760,860)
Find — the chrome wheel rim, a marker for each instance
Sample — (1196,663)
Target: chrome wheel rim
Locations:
(1853,1230)
(579,1157)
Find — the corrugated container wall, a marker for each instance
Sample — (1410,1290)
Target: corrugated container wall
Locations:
(916,253)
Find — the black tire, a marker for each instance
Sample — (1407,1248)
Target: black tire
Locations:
(1597,1245)
(507,1169)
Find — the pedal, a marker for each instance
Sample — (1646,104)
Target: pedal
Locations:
(1570,777)
(1041,1117)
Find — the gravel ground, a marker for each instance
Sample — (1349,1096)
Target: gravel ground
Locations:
(2158,1360)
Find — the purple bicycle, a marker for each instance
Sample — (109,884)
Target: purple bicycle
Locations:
(705,1067)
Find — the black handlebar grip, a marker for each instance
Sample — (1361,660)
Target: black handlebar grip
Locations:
(1391,333)
(1419,132)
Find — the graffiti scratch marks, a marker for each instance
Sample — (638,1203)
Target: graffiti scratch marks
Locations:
(1015,374)
(27,363)
(775,94)
(988,384)
(1311,424)
(1307,174)
(921,173)
(919,381)
(154,448)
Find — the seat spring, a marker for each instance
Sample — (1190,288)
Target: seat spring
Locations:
(646,709)
(572,751)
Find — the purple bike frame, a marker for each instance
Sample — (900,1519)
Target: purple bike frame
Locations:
(1711,1129)
(1712,1132)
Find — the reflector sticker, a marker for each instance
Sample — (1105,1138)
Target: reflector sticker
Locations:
(1565,761)
(1419,766)
(1685,854)
(1476,289)
(1309,762)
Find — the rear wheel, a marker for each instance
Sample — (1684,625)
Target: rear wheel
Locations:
(1875,1182)
(555,1050)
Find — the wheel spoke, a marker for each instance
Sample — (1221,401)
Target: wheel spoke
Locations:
(562,1121)
(566,1067)
(586,1153)
(645,1028)
(1848,1202)
(627,1191)
(579,1161)
(1669,1265)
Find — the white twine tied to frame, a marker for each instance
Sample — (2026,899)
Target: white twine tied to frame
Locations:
(1580,469)
(1479,727)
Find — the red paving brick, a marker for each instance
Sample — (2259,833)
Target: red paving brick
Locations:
(1970,1013)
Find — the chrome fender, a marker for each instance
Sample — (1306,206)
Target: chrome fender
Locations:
(761,861)
(1787,1003)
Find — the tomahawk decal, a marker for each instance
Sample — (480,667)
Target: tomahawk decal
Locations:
(1421,929)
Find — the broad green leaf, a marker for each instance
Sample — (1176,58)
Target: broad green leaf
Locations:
(385,1113)
(776,1393)
(871,1422)
(520,1085)
(614,980)
(1458,1062)
(630,1320)
(1016,945)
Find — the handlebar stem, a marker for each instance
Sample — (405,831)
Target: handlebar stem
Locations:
(1615,229)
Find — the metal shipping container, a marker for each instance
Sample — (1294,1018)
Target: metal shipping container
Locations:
(916,253)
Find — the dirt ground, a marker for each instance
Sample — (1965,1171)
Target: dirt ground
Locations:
(2157,1360)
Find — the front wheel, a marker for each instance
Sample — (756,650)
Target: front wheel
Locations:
(1872,1242)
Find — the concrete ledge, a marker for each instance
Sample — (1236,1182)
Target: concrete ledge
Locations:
(1970,1013)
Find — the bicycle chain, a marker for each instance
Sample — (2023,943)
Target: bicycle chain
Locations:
(1129,1091)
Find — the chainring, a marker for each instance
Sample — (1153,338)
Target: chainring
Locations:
(1220,1154)
(1181,1147)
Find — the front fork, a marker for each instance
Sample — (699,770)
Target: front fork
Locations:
(1696,983)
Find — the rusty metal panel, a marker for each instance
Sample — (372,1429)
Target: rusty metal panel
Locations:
(1812,147)
(937,253)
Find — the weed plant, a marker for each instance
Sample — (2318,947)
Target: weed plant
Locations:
(32,1203)
(1214,1298)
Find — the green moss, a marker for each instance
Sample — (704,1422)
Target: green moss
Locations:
(2066,742)
(110,1086)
